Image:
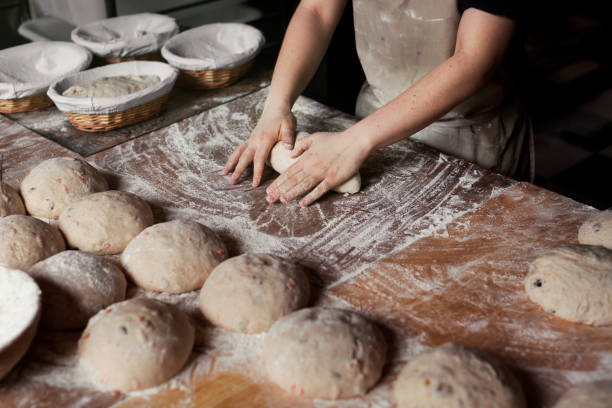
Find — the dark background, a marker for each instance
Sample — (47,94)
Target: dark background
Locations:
(565,76)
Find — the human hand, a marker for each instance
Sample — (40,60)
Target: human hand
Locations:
(276,124)
(326,161)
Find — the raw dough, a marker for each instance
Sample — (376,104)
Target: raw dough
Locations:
(453,377)
(110,87)
(281,160)
(104,223)
(324,353)
(589,395)
(76,285)
(248,293)
(135,344)
(175,256)
(26,240)
(19,315)
(56,183)
(10,201)
(597,230)
(573,282)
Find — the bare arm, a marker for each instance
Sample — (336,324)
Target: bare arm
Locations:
(304,45)
(482,41)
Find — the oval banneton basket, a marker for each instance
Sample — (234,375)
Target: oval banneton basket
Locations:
(20,307)
(26,71)
(213,55)
(126,38)
(108,113)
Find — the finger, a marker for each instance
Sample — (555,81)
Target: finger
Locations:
(245,159)
(287,134)
(303,184)
(233,159)
(273,189)
(259,162)
(322,188)
(301,146)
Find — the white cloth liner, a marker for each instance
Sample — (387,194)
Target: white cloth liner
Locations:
(126,36)
(214,46)
(29,69)
(166,73)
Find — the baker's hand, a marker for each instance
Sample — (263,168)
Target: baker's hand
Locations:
(276,124)
(327,160)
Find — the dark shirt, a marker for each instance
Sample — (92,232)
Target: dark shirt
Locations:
(507,8)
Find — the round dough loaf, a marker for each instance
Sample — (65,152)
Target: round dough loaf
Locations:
(573,282)
(10,201)
(281,160)
(56,183)
(76,285)
(175,256)
(248,293)
(135,344)
(589,395)
(26,240)
(597,230)
(324,353)
(104,223)
(453,377)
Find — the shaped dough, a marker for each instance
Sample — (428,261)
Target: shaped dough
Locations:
(175,256)
(592,395)
(110,87)
(249,292)
(10,201)
(573,282)
(135,344)
(324,353)
(597,230)
(281,160)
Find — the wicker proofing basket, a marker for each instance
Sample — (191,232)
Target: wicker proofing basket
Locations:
(103,122)
(152,56)
(27,104)
(212,79)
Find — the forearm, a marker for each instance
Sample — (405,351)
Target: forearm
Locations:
(303,48)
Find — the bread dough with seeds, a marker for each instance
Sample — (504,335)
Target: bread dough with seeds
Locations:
(109,87)
(104,223)
(75,286)
(281,160)
(175,256)
(135,344)
(597,230)
(56,183)
(26,240)
(249,292)
(10,201)
(453,377)
(573,282)
(324,353)
(587,395)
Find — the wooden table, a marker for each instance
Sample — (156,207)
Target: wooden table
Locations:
(434,249)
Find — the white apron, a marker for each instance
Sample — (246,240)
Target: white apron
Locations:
(399,42)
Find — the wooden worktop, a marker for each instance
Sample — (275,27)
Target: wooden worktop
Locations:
(433,249)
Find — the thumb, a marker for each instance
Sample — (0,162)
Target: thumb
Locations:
(287,135)
(301,146)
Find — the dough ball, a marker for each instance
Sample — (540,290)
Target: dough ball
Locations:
(597,230)
(135,344)
(104,223)
(56,183)
(248,293)
(592,395)
(75,286)
(175,256)
(10,201)
(324,353)
(453,377)
(281,160)
(573,282)
(27,240)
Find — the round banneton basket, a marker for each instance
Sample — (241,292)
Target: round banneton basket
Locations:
(213,55)
(26,71)
(108,113)
(20,306)
(134,37)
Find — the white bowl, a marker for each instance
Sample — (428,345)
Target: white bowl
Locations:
(20,305)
